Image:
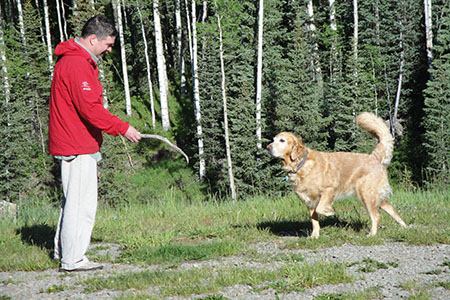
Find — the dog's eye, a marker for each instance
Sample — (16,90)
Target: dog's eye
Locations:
(282,140)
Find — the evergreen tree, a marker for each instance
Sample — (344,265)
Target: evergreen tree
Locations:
(437,107)
(211,106)
(298,106)
(27,167)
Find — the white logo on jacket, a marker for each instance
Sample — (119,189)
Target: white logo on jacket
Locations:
(85,86)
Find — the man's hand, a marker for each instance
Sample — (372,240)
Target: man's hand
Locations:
(132,135)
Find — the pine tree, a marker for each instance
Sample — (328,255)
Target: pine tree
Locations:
(24,137)
(437,110)
(298,106)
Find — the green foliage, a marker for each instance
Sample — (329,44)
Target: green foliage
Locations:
(436,122)
(313,84)
(27,167)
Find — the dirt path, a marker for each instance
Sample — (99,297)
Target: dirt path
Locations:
(425,266)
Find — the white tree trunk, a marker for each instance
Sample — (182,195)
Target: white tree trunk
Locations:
(122,4)
(63,11)
(189,28)
(49,38)
(60,25)
(36,2)
(315,59)
(355,50)
(332,15)
(355,36)
(428,31)
(116,4)
(225,114)
(21,25)
(101,73)
(259,75)
(204,16)
(5,76)
(333,52)
(196,91)
(399,85)
(149,79)
(180,46)
(162,73)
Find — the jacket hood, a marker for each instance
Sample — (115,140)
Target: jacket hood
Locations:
(71,48)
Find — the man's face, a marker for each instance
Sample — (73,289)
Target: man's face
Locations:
(100,47)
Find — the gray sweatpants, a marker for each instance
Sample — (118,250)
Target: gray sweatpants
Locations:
(79,206)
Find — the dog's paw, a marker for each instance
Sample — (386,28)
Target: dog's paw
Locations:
(314,235)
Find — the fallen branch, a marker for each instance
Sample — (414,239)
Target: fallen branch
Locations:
(161,138)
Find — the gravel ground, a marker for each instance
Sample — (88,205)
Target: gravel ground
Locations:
(421,264)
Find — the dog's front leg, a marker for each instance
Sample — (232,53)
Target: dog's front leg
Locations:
(326,201)
(315,223)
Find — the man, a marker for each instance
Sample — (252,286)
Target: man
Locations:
(76,123)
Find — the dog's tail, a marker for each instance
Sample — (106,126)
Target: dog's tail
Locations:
(376,127)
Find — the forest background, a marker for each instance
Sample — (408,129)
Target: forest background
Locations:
(221,78)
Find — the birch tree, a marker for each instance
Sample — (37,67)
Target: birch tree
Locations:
(428,31)
(225,112)
(315,60)
(116,5)
(36,2)
(333,52)
(258,73)
(393,115)
(195,87)
(49,38)
(3,61)
(355,38)
(64,21)
(162,73)
(180,46)
(147,63)
(355,52)
(21,25)
(60,25)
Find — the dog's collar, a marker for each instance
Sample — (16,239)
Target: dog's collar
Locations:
(300,165)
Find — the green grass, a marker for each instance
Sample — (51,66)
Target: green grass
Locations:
(174,253)
(368,294)
(173,230)
(416,291)
(371,265)
(290,277)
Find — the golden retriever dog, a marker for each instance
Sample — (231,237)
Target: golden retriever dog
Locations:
(319,178)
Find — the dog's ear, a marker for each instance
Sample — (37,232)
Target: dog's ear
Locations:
(298,149)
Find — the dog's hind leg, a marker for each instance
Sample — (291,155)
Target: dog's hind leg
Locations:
(370,201)
(387,207)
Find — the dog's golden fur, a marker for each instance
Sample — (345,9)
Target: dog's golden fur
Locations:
(319,178)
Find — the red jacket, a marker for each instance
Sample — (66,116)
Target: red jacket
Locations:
(77,116)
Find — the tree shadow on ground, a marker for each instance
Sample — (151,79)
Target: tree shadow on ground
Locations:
(304,228)
(40,235)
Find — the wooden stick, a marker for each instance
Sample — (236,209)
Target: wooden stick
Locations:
(161,138)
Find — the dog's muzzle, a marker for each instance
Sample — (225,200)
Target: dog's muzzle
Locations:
(269,149)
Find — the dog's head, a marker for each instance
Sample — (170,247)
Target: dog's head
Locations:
(287,146)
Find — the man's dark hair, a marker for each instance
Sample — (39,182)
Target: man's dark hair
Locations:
(100,26)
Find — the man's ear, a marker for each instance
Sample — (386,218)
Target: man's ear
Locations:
(92,39)
(298,149)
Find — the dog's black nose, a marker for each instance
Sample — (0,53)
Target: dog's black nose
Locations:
(269,147)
